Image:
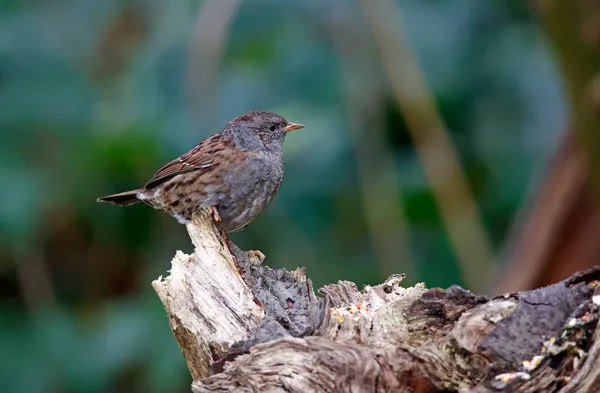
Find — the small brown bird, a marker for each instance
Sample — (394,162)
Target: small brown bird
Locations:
(234,174)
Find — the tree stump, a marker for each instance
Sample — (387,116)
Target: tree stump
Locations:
(245,327)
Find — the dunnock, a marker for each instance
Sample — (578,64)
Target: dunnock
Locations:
(234,174)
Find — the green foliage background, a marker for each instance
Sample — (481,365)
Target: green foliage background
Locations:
(96,95)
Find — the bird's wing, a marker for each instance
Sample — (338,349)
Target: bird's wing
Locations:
(202,156)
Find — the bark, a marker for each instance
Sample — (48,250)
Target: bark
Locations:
(244,327)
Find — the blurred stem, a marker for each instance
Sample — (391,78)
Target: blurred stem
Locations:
(547,231)
(208,45)
(379,181)
(379,186)
(117,45)
(34,279)
(574,29)
(458,207)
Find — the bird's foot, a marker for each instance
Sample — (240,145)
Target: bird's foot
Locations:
(256,255)
(214,212)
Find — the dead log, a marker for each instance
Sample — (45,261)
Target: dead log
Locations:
(244,327)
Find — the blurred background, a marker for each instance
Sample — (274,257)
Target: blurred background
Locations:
(441,140)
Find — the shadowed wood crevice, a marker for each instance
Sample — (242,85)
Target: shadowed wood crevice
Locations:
(245,327)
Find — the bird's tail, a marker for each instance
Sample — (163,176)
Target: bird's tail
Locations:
(123,198)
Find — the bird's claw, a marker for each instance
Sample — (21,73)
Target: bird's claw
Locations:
(252,254)
(214,212)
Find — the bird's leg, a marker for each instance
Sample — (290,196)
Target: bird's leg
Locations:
(252,254)
(214,212)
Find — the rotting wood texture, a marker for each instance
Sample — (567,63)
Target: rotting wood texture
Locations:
(244,327)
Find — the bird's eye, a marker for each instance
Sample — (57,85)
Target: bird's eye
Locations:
(273,127)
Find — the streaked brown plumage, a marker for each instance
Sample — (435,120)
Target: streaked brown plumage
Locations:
(235,174)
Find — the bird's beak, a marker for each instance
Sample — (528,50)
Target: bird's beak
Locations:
(293,126)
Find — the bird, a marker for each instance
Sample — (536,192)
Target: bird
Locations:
(234,174)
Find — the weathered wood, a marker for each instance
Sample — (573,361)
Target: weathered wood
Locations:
(209,305)
(272,334)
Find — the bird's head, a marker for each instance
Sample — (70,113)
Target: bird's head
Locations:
(263,128)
